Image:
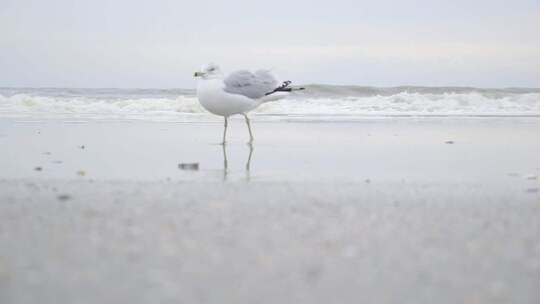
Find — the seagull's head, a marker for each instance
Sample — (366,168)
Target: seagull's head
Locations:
(209,71)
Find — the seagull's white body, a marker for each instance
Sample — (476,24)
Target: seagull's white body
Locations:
(216,100)
(238,93)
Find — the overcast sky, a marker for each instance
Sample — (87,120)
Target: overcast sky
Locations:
(128,43)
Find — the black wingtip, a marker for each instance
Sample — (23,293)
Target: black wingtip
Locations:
(285,84)
(284,87)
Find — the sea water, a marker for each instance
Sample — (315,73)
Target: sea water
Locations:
(316,102)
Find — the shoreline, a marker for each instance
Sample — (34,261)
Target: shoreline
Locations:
(378,149)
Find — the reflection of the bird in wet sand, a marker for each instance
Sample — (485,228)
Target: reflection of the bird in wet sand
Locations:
(226,163)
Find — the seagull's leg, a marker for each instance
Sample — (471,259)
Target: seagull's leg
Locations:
(225,131)
(225,163)
(248,164)
(249,128)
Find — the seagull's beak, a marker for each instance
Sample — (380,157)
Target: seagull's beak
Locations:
(198,74)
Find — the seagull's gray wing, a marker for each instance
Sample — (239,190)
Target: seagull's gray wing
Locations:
(252,85)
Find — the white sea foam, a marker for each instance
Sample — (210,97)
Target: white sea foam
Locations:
(411,104)
(22,105)
(327,101)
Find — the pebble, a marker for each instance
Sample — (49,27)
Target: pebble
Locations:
(63,197)
(188,166)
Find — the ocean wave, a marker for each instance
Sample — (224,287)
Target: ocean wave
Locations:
(363,91)
(406,103)
(315,101)
(50,106)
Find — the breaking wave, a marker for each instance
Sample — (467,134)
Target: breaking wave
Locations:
(22,105)
(316,100)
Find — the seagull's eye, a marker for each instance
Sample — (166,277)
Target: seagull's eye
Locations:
(211,69)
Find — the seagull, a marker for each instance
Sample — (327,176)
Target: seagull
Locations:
(237,93)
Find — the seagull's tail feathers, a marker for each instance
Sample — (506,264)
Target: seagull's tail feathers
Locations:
(285,87)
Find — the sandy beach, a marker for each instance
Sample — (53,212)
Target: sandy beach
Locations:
(391,210)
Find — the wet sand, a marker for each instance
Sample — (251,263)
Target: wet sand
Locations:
(376,210)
